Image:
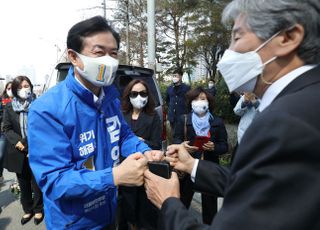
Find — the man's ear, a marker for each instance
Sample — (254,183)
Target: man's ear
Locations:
(72,57)
(289,40)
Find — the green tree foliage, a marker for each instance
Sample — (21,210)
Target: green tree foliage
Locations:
(173,23)
(133,30)
(210,38)
(223,107)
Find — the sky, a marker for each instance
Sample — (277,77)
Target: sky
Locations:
(33,33)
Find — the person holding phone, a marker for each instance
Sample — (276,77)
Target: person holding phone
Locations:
(204,136)
(138,107)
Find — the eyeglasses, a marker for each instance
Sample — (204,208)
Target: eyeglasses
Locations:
(134,94)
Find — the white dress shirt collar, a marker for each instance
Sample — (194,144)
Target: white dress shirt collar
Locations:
(275,89)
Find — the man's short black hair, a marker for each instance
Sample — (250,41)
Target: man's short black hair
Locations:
(178,71)
(86,28)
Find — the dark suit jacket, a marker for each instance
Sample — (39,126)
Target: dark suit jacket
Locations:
(14,159)
(274,180)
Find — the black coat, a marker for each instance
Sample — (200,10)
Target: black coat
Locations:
(14,159)
(148,127)
(218,134)
(274,181)
(136,207)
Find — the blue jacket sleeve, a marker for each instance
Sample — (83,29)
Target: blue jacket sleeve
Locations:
(50,157)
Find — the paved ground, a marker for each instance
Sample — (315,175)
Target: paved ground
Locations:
(12,210)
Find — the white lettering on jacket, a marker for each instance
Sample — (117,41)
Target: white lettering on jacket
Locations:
(88,148)
(114,127)
(94,204)
(113,124)
(87,136)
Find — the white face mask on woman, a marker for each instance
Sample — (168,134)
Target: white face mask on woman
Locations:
(24,93)
(100,71)
(200,106)
(139,102)
(240,70)
(9,93)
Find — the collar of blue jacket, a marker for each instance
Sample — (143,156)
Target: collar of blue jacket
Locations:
(86,95)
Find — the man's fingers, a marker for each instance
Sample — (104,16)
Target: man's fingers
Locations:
(147,174)
(136,156)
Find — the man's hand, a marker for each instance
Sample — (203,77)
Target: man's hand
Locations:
(159,189)
(130,171)
(154,155)
(179,158)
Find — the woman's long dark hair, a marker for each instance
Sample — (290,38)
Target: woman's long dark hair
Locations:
(126,104)
(4,93)
(17,82)
(194,93)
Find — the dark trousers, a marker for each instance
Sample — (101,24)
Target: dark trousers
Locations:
(28,185)
(208,202)
(209,208)
(136,209)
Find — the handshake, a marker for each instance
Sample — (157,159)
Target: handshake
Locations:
(152,170)
(131,170)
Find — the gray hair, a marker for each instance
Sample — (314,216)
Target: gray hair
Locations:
(266,17)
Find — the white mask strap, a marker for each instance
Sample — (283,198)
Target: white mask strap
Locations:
(267,62)
(267,41)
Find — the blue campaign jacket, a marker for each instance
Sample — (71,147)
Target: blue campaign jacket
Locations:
(66,132)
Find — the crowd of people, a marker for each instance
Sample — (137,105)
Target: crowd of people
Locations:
(82,161)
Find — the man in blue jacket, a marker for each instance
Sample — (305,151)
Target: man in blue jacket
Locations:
(77,133)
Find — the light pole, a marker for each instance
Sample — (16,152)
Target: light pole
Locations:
(58,50)
(151,34)
(104,8)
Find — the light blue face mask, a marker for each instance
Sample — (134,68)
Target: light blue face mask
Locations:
(240,70)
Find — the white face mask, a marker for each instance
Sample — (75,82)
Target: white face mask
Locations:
(24,93)
(200,106)
(139,102)
(240,70)
(210,85)
(175,80)
(100,71)
(9,93)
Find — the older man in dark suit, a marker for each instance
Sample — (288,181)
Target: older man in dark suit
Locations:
(274,181)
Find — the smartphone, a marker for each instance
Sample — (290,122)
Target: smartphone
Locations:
(199,141)
(160,168)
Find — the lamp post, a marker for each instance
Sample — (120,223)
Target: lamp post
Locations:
(151,34)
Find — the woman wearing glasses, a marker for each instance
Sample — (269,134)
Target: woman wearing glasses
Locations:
(139,111)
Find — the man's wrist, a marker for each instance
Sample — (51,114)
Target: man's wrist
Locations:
(190,165)
(115,174)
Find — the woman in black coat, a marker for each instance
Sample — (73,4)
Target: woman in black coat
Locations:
(16,157)
(139,111)
(201,124)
